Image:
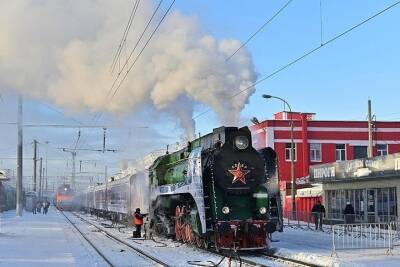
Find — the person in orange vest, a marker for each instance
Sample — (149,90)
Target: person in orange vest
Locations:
(138,221)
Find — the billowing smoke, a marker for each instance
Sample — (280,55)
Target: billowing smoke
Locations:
(61,51)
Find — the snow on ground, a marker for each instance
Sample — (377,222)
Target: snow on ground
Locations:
(118,254)
(42,240)
(315,247)
(175,253)
(49,240)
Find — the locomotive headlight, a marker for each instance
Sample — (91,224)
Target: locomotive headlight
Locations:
(225,210)
(241,142)
(263,210)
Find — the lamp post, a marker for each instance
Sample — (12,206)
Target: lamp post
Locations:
(291,152)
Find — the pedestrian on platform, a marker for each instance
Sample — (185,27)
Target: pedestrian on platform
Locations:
(39,206)
(138,221)
(349,214)
(318,211)
(46,205)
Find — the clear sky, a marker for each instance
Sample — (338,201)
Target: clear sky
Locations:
(335,82)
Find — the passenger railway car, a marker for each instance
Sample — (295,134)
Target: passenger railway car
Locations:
(65,198)
(217,191)
(7,197)
(119,198)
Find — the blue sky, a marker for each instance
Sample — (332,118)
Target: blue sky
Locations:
(334,82)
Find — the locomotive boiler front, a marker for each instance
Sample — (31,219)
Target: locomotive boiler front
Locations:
(237,166)
(240,205)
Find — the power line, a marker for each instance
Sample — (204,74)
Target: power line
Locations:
(141,51)
(59,112)
(305,55)
(125,35)
(260,29)
(98,115)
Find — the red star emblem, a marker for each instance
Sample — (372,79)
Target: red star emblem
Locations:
(239,173)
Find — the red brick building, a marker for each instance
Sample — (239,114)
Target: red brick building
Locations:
(318,142)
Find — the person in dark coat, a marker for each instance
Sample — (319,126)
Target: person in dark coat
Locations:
(318,211)
(39,206)
(138,221)
(349,214)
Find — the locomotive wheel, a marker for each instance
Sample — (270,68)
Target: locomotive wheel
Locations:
(178,224)
(199,241)
(189,234)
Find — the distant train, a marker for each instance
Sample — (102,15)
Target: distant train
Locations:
(65,198)
(217,191)
(7,197)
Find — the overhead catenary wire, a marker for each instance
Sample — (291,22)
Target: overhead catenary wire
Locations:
(134,48)
(260,29)
(138,56)
(313,50)
(125,35)
(144,47)
(100,114)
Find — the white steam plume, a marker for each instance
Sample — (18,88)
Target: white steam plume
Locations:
(61,51)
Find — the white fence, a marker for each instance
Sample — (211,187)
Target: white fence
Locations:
(395,226)
(364,236)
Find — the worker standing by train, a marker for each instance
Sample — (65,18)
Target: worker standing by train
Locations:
(138,221)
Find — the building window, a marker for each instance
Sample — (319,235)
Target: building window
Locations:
(315,152)
(340,152)
(360,152)
(287,152)
(382,149)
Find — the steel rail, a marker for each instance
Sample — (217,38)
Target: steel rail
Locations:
(87,240)
(287,260)
(113,237)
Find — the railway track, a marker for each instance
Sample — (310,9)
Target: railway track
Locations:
(246,258)
(240,259)
(139,252)
(287,261)
(235,261)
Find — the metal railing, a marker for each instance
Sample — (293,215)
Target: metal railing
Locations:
(362,236)
(306,220)
(395,227)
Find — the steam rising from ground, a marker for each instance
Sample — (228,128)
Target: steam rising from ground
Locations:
(61,51)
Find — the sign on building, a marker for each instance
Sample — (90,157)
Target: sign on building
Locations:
(357,169)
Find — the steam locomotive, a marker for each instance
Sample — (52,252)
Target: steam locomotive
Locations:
(217,191)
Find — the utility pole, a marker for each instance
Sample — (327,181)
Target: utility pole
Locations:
(40,179)
(45,179)
(105,173)
(73,170)
(19,205)
(73,153)
(370,145)
(34,163)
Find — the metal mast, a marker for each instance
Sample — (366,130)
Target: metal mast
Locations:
(19,160)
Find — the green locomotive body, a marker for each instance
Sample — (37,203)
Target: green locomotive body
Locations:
(215,192)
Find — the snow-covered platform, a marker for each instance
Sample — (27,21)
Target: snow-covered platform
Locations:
(50,240)
(42,240)
(315,247)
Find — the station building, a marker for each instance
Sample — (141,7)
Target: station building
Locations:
(371,185)
(318,142)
